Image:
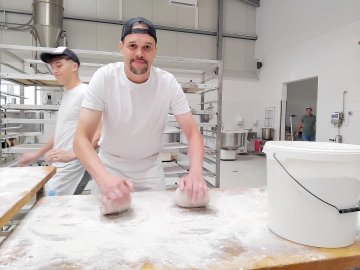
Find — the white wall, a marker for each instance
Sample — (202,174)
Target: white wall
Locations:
(303,39)
(242,98)
(284,23)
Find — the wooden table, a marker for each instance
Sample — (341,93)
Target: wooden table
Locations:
(18,185)
(69,232)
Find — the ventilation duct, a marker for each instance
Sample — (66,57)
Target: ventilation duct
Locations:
(48,21)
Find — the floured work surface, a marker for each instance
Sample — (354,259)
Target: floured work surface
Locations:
(18,185)
(69,232)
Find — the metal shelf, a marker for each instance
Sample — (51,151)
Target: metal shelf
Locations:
(207,124)
(209,102)
(22,148)
(170,147)
(210,159)
(175,124)
(17,135)
(35,79)
(11,95)
(9,128)
(209,136)
(50,81)
(27,121)
(203,112)
(197,88)
(93,57)
(171,168)
(31,107)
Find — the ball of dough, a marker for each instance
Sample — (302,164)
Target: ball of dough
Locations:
(182,200)
(109,207)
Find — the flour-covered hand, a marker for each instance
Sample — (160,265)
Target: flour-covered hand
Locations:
(194,186)
(115,190)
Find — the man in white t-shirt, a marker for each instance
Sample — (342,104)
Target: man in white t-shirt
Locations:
(133,99)
(58,151)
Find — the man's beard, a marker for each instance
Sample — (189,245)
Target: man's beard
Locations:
(139,71)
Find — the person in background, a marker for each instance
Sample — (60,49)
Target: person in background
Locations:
(133,99)
(308,124)
(58,150)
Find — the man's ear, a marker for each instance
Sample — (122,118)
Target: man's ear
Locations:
(121,46)
(75,66)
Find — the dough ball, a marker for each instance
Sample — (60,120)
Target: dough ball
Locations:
(182,200)
(109,207)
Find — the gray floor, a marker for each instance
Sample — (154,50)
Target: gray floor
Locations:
(246,171)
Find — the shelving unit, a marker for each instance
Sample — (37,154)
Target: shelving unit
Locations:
(15,127)
(200,79)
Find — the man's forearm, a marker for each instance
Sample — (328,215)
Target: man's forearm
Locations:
(72,155)
(196,152)
(45,148)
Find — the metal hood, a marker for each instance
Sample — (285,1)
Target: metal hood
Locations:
(48,21)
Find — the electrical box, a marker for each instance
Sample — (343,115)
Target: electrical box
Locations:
(337,118)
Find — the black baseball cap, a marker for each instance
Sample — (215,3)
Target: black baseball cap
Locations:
(47,57)
(128,28)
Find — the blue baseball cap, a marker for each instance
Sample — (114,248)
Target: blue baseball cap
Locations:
(47,57)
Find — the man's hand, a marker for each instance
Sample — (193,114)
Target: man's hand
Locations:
(58,155)
(27,158)
(116,189)
(194,186)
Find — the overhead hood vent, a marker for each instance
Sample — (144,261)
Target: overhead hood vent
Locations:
(48,21)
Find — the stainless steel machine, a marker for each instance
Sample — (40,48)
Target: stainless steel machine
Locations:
(230,142)
(267,134)
(48,22)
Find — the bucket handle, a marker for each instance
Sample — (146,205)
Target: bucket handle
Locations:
(341,211)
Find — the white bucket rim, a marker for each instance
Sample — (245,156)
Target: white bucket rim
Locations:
(313,147)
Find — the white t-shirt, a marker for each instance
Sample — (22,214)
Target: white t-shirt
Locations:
(134,117)
(67,119)
(68,175)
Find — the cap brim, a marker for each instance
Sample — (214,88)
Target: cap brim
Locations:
(46,57)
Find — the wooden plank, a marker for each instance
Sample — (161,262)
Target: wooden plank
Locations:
(68,232)
(18,185)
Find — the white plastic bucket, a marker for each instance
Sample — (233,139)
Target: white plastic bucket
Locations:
(330,171)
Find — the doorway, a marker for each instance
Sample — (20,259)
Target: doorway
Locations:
(297,95)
